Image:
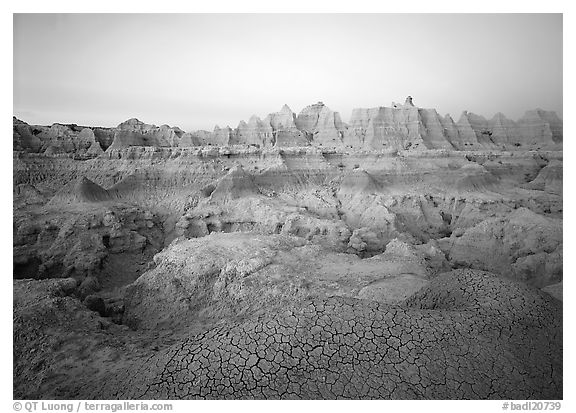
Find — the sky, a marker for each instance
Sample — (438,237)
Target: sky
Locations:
(199,70)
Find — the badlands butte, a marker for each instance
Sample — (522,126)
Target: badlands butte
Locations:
(400,255)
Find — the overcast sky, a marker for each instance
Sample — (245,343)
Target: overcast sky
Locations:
(195,71)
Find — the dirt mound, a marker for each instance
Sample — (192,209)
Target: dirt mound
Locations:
(499,340)
(136,133)
(549,179)
(358,182)
(481,291)
(476,179)
(79,191)
(88,191)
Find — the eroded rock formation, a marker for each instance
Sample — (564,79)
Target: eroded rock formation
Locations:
(295,256)
(398,127)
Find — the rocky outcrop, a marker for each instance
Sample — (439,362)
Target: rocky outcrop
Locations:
(104,136)
(255,132)
(66,139)
(434,134)
(252,269)
(222,136)
(398,127)
(196,138)
(58,139)
(537,129)
(236,203)
(86,137)
(481,128)
(409,127)
(84,245)
(521,245)
(284,128)
(225,276)
(540,129)
(384,128)
(504,131)
(136,133)
(323,126)
(24,137)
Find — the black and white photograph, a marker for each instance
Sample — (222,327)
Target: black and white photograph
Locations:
(270,206)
